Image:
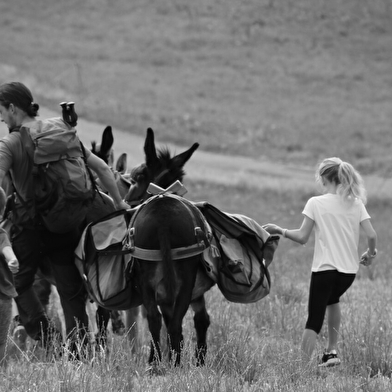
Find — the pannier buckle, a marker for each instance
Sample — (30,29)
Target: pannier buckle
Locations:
(128,241)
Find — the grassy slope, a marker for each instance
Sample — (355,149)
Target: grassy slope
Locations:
(289,80)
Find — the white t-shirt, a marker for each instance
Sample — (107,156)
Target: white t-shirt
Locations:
(337,227)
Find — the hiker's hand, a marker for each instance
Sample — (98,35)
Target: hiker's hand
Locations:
(272,228)
(122,205)
(13,265)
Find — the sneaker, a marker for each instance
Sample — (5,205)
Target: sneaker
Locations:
(329,359)
(19,336)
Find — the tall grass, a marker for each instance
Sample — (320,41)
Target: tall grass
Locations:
(251,348)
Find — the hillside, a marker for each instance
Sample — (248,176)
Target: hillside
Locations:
(292,81)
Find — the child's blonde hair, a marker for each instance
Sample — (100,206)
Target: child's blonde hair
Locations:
(349,181)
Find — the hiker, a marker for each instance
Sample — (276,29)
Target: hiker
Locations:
(33,243)
(8,265)
(337,217)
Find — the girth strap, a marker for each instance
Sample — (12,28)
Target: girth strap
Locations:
(176,254)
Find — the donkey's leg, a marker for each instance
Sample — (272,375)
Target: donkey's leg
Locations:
(202,322)
(174,318)
(186,271)
(102,319)
(118,326)
(174,332)
(154,319)
(131,325)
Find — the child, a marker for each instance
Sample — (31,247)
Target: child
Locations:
(337,217)
(8,264)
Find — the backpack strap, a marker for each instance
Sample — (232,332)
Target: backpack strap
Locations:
(27,143)
(92,179)
(26,207)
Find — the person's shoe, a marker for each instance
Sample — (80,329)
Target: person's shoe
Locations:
(19,336)
(329,359)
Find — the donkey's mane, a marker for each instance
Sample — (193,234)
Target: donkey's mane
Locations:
(165,157)
(164,154)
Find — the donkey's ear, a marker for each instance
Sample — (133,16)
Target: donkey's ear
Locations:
(180,159)
(149,149)
(121,164)
(107,141)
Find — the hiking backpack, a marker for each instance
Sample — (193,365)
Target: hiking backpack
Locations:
(63,186)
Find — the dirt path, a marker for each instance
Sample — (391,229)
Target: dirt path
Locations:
(218,168)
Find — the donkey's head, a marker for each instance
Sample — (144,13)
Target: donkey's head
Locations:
(159,168)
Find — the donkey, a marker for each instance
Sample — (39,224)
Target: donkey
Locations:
(163,225)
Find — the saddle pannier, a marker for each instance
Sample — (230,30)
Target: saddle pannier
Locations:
(239,255)
(106,265)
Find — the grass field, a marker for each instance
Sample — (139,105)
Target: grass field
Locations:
(272,85)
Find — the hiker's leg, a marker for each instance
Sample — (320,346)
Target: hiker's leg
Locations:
(72,296)
(43,288)
(27,248)
(69,284)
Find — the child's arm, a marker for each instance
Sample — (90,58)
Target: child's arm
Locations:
(300,235)
(368,256)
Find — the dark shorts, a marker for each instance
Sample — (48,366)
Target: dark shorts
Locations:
(326,288)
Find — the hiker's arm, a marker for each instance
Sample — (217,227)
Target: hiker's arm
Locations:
(300,235)
(106,176)
(8,252)
(11,259)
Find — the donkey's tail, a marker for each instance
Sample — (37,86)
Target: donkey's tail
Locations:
(169,272)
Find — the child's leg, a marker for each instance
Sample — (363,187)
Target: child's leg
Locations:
(334,317)
(309,338)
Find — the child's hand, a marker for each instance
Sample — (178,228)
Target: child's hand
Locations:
(365,259)
(13,265)
(272,228)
